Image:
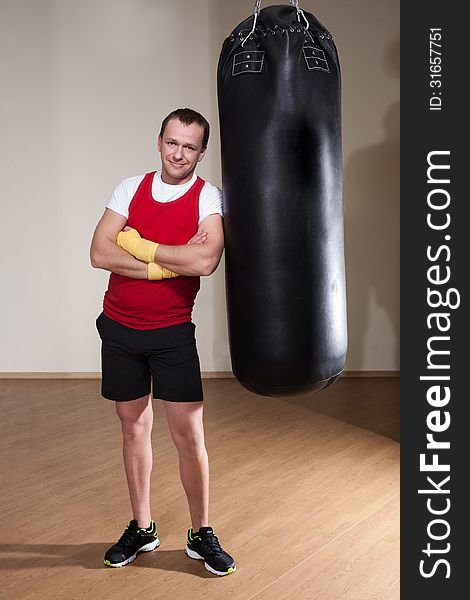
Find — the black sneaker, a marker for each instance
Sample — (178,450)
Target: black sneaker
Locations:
(131,542)
(204,545)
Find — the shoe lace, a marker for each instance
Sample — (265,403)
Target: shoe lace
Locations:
(211,542)
(126,538)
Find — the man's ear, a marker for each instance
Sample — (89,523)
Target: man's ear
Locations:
(159,143)
(201,156)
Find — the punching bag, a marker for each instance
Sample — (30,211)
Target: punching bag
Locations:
(280,122)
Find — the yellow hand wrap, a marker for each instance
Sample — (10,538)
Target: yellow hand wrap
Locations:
(131,242)
(157,272)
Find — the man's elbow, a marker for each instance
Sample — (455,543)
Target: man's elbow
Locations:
(96,259)
(209,265)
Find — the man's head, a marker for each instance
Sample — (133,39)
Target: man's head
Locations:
(182,144)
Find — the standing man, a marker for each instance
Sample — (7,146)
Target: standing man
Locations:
(159,233)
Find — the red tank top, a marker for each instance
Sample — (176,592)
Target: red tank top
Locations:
(143,304)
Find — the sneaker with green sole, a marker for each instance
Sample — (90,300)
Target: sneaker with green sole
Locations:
(132,541)
(204,545)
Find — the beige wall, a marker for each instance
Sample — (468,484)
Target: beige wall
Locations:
(83,88)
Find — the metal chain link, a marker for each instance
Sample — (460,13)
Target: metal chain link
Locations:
(256,11)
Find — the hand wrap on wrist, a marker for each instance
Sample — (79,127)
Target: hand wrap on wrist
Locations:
(131,242)
(156,272)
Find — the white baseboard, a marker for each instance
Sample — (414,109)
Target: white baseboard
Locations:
(204,374)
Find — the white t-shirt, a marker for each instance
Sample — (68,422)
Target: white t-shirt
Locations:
(210,199)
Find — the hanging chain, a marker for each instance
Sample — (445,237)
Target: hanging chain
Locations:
(256,11)
(295,4)
(255,17)
(301,12)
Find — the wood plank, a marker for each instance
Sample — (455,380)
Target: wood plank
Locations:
(363,562)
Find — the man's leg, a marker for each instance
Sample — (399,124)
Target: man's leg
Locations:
(136,418)
(186,428)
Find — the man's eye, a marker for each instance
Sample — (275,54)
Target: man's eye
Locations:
(170,143)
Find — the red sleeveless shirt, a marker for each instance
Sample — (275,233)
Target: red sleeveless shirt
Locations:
(143,304)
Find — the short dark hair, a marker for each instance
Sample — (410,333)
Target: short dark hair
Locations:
(188,116)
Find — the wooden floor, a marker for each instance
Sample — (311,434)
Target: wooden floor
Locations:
(304,495)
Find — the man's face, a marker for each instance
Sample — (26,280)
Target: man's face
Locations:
(180,149)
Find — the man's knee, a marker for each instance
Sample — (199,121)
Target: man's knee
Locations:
(133,431)
(189,440)
(136,418)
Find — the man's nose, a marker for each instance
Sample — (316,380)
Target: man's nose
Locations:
(178,154)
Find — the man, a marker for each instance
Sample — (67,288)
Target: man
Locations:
(159,233)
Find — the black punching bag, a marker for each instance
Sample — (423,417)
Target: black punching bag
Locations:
(280,122)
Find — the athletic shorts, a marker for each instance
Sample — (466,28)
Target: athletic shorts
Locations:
(132,360)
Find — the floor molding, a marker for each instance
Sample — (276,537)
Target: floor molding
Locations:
(205,375)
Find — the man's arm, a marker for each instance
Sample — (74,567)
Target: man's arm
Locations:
(195,259)
(106,254)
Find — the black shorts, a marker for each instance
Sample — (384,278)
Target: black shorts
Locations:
(132,359)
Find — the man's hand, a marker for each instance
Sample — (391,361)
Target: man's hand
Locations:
(199,238)
(129,239)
